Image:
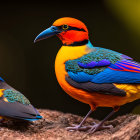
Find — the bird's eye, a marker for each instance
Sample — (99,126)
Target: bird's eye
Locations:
(65,27)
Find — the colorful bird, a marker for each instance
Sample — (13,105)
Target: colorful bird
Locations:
(93,75)
(14,105)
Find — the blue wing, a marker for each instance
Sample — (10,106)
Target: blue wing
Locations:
(124,71)
(120,72)
(104,66)
(94,64)
(98,70)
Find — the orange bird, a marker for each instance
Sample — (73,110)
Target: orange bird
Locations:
(93,75)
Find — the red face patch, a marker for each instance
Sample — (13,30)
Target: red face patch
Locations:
(70,36)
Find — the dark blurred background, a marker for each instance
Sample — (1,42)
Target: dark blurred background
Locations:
(29,67)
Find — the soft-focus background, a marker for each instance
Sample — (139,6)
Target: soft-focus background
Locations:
(29,67)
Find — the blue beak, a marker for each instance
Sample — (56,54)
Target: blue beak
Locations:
(53,30)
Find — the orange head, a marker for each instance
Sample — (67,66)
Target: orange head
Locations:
(70,30)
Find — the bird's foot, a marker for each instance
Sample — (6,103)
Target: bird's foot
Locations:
(96,127)
(90,128)
(78,127)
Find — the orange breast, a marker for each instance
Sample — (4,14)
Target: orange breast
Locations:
(69,53)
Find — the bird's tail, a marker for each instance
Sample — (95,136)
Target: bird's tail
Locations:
(38,116)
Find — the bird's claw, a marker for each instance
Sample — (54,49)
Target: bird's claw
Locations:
(98,127)
(91,128)
(78,127)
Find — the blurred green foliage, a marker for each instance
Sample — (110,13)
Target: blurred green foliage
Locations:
(128,13)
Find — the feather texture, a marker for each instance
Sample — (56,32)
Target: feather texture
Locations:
(93,67)
(126,65)
(108,89)
(14,104)
(18,111)
(94,62)
(103,66)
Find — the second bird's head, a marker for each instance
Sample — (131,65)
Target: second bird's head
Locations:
(70,30)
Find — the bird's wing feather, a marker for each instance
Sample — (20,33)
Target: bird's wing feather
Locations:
(102,67)
(94,64)
(17,110)
(108,89)
(13,104)
(86,67)
(124,71)
(95,61)
(126,65)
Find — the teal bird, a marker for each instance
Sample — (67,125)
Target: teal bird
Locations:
(14,105)
(93,75)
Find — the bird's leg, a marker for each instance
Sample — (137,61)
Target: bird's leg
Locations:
(100,126)
(79,127)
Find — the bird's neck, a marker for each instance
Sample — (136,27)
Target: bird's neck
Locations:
(73,52)
(77,43)
(85,42)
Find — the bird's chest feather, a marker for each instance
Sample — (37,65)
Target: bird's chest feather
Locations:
(68,53)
